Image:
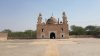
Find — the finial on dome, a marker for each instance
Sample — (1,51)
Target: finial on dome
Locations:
(40,14)
(58,20)
(64,13)
(52,13)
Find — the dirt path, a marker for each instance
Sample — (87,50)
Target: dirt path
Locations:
(51,49)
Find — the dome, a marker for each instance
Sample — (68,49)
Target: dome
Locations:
(51,20)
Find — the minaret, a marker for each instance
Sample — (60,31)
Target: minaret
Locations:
(64,18)
(65,25)
(39,26)
(39,18)
(58,20)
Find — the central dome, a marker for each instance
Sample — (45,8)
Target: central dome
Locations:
(51,20)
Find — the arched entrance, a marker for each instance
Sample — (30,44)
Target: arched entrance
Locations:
(52,35)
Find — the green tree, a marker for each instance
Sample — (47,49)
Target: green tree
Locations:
(30,33)
(7,31)
(92,30)
(77,30)
(27,34)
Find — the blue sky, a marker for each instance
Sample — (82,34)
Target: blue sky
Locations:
(20,15)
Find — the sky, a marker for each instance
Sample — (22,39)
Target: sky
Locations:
(21,15)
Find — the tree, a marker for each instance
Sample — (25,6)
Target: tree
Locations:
(7,31)
(92,30)
(27,34)
(30,33)
(77,30)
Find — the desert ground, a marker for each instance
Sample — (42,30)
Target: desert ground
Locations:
(51,47)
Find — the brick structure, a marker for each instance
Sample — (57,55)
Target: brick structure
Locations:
(52,29)
(3,36)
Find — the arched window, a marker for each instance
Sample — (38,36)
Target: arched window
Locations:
(42,30)
(62,29)
(62,35)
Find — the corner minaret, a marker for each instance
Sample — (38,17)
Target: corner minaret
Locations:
(64,18)
(65,25)
(39,25)
(39,18)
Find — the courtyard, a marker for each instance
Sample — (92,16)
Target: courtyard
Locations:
(51,47)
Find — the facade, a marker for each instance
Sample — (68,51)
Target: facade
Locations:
(52,29)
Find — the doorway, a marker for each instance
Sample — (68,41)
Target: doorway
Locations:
(52,35)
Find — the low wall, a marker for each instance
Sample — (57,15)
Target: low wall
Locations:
(82,36)
(20,37)
(3,36)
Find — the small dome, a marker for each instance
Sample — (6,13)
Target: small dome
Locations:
(51,20)
(43,23)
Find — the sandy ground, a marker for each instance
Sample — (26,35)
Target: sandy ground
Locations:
(51,47)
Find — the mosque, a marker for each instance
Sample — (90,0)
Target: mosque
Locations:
(52,28)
